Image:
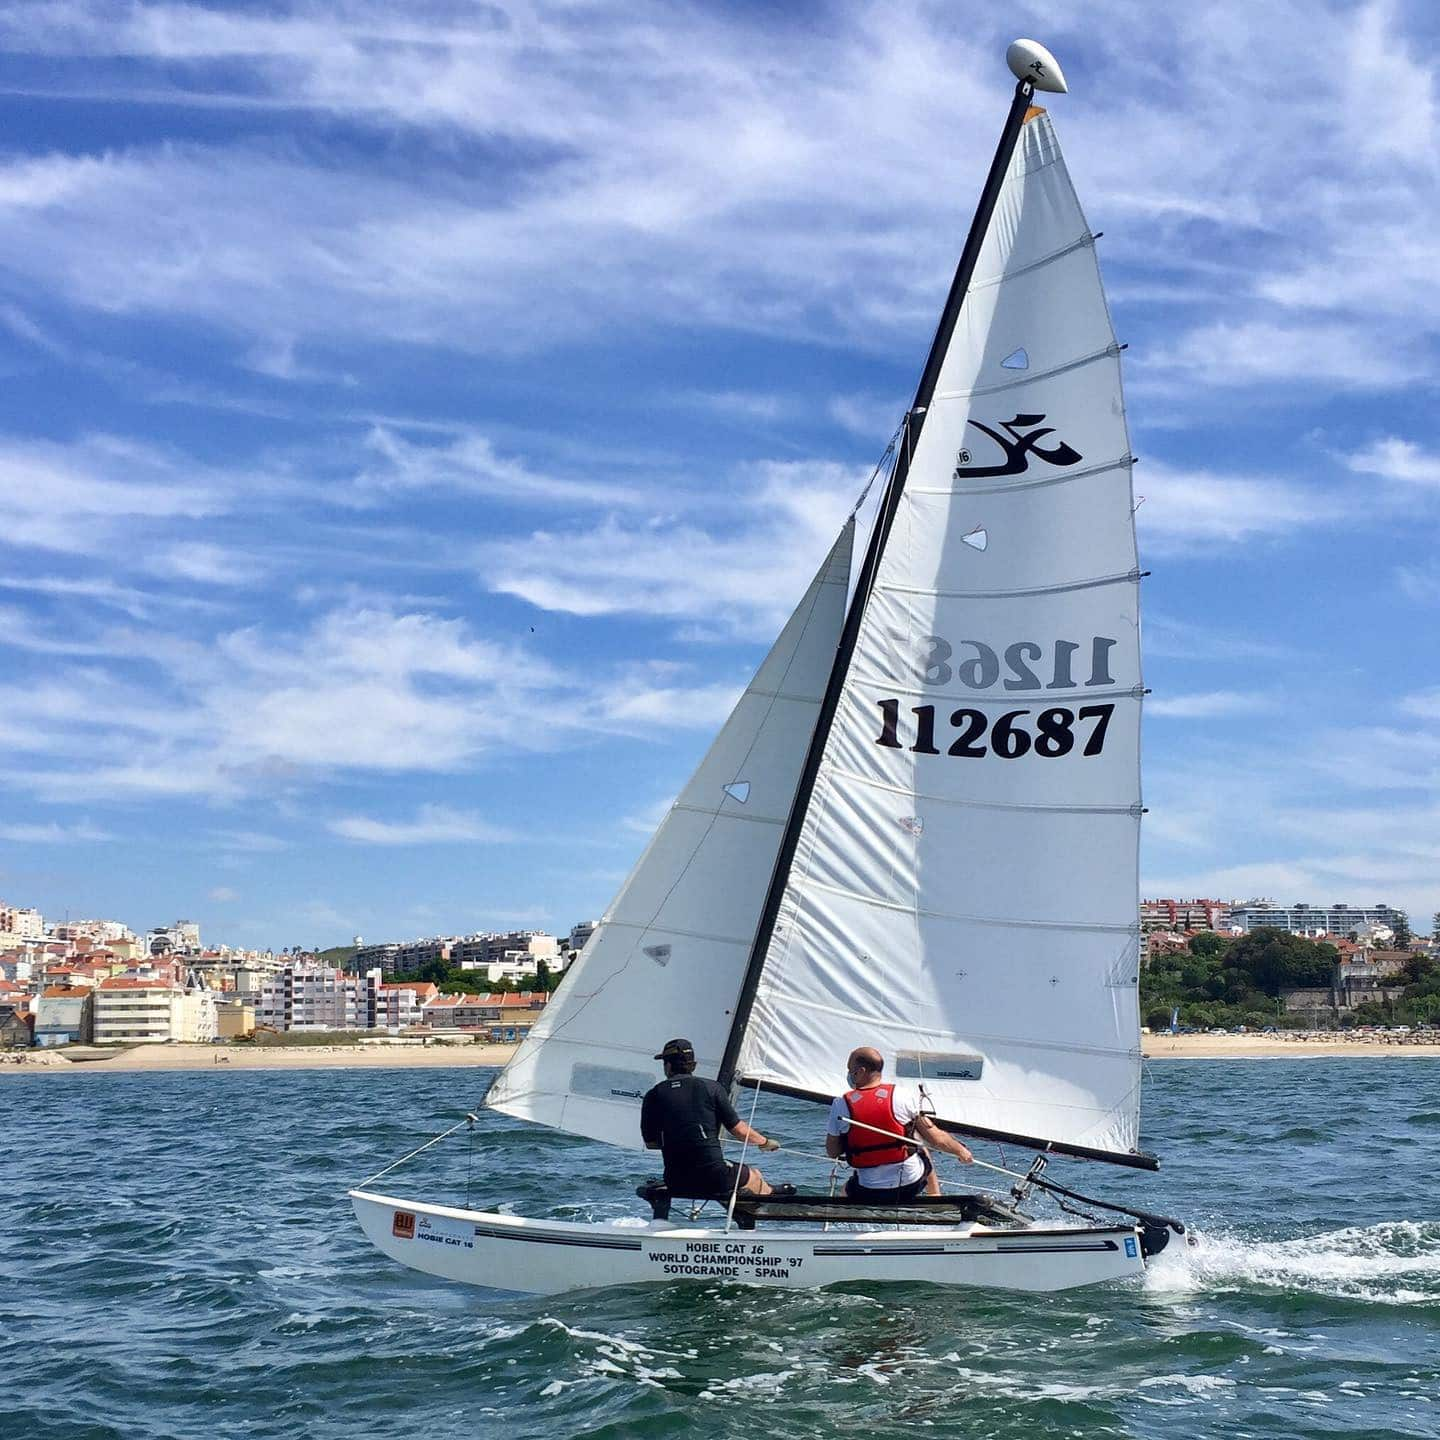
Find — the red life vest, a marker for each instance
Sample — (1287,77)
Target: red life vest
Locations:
(864,1148)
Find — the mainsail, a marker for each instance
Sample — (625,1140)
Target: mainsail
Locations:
(962,891)
(669,956)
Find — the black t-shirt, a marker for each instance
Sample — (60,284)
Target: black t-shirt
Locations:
(684,1116)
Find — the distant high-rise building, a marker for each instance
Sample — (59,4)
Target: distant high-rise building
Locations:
(317,997)
(1305,919)
(21,923)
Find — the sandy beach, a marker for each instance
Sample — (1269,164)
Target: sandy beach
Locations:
(1284,1046)
(387,1056)
(250,1057)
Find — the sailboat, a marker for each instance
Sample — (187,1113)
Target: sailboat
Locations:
(917,830)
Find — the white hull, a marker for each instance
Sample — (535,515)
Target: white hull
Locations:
(507,1252)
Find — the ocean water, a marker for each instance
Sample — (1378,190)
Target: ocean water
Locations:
(177,1259)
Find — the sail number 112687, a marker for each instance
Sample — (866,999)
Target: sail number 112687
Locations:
(1054,732)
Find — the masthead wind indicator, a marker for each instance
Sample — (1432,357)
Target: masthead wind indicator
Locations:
(1030,60)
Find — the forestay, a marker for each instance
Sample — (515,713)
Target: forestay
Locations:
(669,956)
(964,888)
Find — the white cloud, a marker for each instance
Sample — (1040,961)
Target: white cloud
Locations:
(1420,583)
(79,498)
(744,574)
(1425,704)
(432,825)
(469,462)
(222,895)
(1187,510)
(823,210)
(269,710)
(1207,705)
(1172,636)
(205,563)
(1295,351)
(671,706)
(52,834)
(1396,459)
(250,842)
(875,417)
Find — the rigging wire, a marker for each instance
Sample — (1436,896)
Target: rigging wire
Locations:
(740,1164)
(880,465)
(469,1120)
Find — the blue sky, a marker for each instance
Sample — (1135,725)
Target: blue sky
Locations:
(418,419)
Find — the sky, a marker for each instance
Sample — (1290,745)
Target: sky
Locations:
(418,420)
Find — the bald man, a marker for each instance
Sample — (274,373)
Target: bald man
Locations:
(887,1172)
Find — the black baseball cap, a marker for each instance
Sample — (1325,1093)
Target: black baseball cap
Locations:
(677,1050)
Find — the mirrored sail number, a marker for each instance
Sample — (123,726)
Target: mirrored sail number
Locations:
(1025,665)
(1055,731)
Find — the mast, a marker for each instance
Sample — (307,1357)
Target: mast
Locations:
(1029,63)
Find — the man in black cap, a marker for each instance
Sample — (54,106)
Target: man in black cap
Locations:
(682,1117)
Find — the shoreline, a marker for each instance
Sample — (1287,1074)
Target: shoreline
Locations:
(151,1059)
(1292,1045)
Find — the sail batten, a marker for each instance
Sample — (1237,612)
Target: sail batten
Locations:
(1109,352)
(963,887)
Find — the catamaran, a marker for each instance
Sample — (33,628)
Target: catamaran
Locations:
(918,830)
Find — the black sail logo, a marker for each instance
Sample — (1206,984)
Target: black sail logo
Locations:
(1021,439)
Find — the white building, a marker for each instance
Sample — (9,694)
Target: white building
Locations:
(193,1017)
(101,932)
(317,997)
(181,938)
(134,1011)
(513,955)
(1314,920)
(400,1006)
(20,923)
(580,933)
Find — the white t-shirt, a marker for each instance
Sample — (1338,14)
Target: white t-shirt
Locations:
(906,1106)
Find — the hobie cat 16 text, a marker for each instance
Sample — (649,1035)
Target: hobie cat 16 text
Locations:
(918,829)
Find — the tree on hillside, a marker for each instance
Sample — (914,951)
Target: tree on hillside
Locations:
(1435,926)
(1401,927)
(1208,944)
(1419,969)
(1275,960)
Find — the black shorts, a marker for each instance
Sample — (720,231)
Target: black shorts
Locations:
(706,1182)
(899,1195)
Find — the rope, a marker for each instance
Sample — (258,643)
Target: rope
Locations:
(740,1164)
(468,1120)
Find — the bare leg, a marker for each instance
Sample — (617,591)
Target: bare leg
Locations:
(756,1185)
(932,1180)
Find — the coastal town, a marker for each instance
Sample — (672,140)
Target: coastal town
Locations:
(99,984)
(95,983)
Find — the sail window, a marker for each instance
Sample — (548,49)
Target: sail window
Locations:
(1016,360)
(660,954)
(927,1065)
(976,539)
(914,824)
(738,790)
(609,1082)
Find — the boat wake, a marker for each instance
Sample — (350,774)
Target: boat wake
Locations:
(1396,1262)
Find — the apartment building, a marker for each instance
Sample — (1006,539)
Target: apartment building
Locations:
(1181,915)
(1305,919)
(318,997)
(399,1006)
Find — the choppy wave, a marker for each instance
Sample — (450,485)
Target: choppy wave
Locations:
(189,1268)
(1397,1261)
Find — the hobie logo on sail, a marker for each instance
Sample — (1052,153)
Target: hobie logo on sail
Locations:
(1021,440)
